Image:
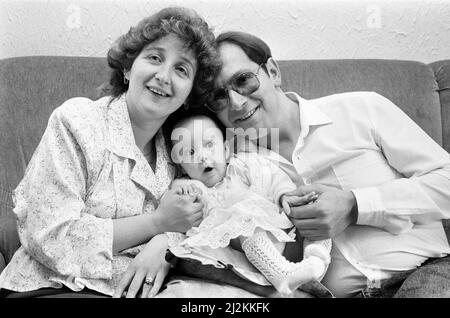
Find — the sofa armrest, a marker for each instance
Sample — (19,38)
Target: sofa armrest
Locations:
(2,262)
(442,73)
(9,238)
(446,224)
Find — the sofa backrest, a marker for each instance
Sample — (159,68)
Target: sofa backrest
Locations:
(410,85)
(31,87)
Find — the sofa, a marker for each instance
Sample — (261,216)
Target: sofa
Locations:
(31,87)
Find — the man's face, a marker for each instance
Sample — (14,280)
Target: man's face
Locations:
(257,110)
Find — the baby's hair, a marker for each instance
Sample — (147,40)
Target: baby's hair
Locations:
(182,115)
(176,119)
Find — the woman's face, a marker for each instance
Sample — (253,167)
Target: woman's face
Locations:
(160,79)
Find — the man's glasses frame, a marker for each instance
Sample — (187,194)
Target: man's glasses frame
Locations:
(218,104)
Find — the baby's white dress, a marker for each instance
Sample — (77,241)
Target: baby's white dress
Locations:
(247,199)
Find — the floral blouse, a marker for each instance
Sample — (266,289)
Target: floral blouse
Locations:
(86,171)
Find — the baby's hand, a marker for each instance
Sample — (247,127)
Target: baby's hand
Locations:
(288,201)
(186,187)
(189,189)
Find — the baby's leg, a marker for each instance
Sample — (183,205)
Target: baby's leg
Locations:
(320,249)
(285,276)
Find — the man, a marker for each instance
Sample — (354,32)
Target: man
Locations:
(383,183)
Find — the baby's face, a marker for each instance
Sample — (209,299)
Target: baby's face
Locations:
(200,149)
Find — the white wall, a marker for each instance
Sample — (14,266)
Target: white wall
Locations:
(295,29)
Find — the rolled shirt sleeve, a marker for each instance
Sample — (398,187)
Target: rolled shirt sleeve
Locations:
(55,226)
(423,193)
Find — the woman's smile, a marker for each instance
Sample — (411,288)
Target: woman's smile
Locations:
(158,91)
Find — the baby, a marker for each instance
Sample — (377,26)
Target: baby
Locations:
(243,195)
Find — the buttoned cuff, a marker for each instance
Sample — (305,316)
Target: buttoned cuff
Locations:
(370,206)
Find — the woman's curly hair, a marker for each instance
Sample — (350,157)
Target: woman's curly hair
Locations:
(188,26)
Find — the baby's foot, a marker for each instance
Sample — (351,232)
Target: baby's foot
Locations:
(319,251)
(311,268)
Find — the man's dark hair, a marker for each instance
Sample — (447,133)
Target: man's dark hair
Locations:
(255,48)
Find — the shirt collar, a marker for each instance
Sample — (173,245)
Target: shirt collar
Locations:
(310,115)
(122,143)
(121,135)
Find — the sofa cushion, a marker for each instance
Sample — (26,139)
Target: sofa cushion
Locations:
(410,85)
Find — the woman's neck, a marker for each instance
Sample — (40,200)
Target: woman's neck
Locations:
(144,127)
(144,134)
(145,140)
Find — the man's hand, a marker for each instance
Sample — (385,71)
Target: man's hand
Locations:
(329,215)
(293,200)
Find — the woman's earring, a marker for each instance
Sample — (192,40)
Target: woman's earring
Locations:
(186,106)
(125,80)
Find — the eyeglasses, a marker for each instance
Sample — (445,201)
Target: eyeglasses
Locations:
(244,83)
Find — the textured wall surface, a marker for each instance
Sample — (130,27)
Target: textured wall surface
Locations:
(295,29)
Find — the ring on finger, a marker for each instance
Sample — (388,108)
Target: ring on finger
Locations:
(149,280)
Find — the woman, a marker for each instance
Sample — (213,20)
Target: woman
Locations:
(93,191)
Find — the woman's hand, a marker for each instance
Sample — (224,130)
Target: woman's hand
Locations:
(178,212)
(149,264)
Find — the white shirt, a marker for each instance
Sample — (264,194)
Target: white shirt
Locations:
(400,177)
